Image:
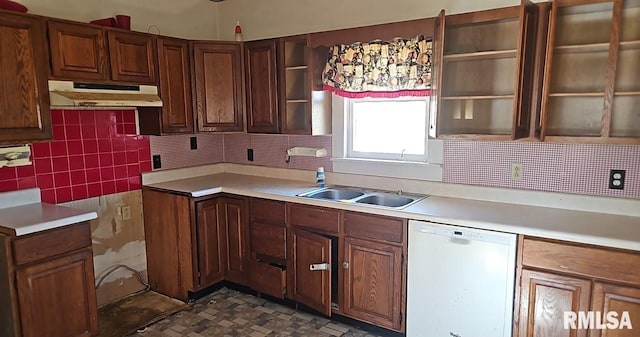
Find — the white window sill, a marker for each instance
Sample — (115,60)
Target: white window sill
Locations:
(388,168)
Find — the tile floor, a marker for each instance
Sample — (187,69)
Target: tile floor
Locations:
(231,313)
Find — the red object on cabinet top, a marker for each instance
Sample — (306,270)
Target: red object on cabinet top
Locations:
(12,6)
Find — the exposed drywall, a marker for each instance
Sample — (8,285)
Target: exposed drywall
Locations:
(271,18)
(116,241)
(193,19)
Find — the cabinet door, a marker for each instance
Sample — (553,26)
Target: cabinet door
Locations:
(235,221)
(77,51)
(175,86)
(211,238)
(24,102)
(262,93)
(619,299)
(218,86)
(168,235)
(373,282)
(57,297)
(543,300)
(311,284)
(132,57)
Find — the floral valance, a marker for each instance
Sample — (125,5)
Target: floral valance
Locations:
(380,68)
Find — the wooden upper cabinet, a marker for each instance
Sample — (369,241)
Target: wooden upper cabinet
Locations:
(219,98)
(24,102)
(484,76)
(262,91)
(591,90)
(174,67)
(77,51)
(132,57)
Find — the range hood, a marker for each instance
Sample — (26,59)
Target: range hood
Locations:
(67,94)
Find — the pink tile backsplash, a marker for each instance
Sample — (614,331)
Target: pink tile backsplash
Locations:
(269,150)
(89,156)
(568,168)
(175,151)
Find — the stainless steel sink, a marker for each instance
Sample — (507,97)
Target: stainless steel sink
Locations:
(335,194)
(363,196)
(387,200)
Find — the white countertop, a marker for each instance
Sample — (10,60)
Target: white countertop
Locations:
(22,213)
(577,226)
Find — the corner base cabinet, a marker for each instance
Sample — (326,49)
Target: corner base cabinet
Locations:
(559,277)
(47,284)
(193,243)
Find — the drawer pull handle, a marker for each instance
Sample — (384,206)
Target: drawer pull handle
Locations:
(319,266)
(345,265)
(564,267)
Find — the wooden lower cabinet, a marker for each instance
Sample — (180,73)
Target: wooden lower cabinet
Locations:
(57,297)
(372,282)
(609,297)
(211,242)
(234,221)
(311,267)
(544,299)
(559,277)
(47,284)
(193,243)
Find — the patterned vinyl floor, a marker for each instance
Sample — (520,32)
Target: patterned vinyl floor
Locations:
(228,313)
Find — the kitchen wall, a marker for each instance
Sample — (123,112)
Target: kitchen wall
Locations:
(94,163)
(567,168)
(272,18)
(193,19)
(269,150)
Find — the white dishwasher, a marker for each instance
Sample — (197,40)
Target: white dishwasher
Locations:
(460,281)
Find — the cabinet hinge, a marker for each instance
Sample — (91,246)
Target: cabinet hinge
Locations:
(401,259)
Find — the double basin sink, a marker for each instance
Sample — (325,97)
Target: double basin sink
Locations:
(362,196)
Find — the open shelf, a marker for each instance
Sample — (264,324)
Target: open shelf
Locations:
(628,45)
(582,48)
(481,55)
(474,97)
(576,94)
(303,67)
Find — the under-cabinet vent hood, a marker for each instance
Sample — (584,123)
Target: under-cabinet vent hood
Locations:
(67,94)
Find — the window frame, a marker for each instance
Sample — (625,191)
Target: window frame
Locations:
(431,170)
(351,153)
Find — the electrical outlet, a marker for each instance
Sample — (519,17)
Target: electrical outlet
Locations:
(156,161)
(616,179)
(250,154)
(516,171)
(194,143)
(126,213)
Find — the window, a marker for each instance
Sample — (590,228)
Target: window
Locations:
(388,129)
(386,138)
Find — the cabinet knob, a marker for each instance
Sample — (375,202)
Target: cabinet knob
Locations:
(345,265)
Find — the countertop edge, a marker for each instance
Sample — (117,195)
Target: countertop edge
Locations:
(405,213)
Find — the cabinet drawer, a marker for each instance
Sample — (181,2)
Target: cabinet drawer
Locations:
(374,227)
(268,211)
(50,243)
(582,260)
(268,241)
(268,279)
(314,217)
